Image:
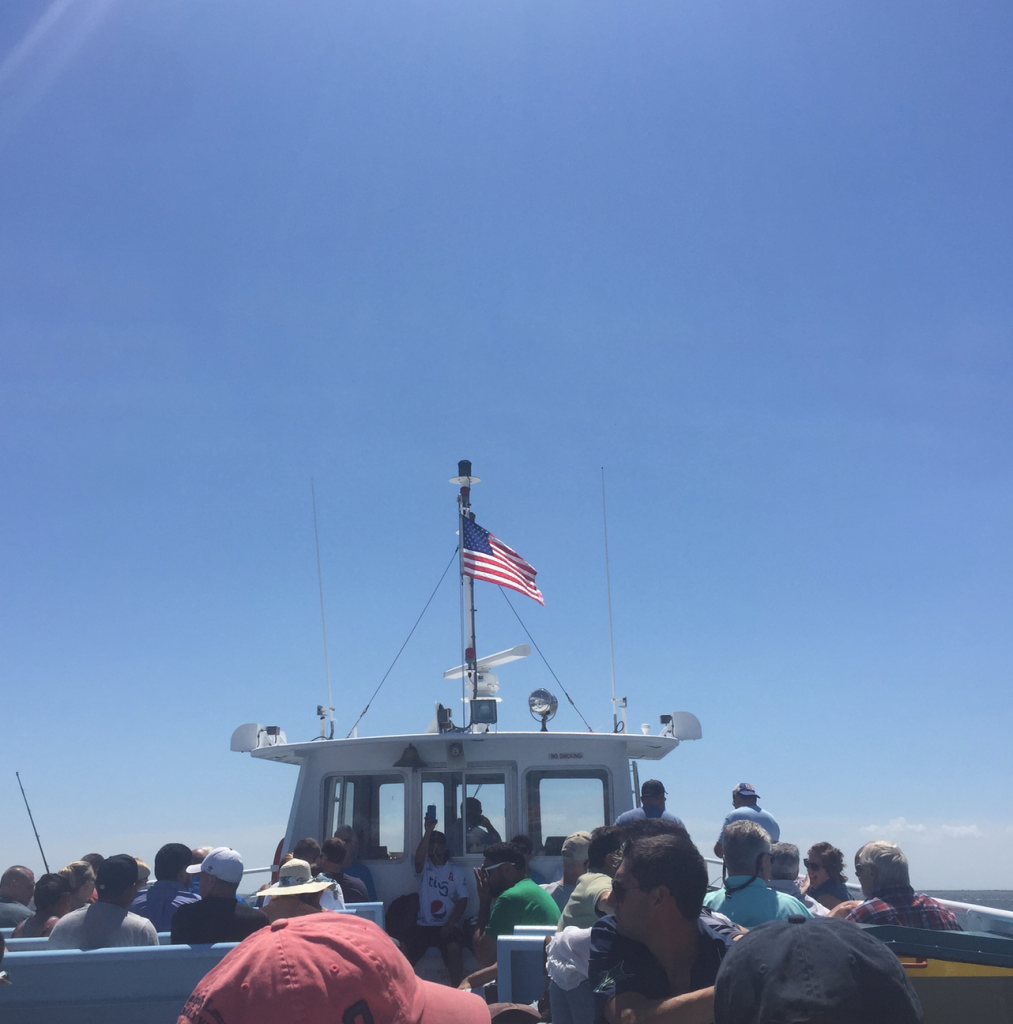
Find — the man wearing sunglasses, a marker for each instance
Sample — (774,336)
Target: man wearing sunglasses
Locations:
(507,897)
(655,957)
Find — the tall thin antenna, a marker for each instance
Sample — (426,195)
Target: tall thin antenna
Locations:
(323,622)
(608,591)
(32,820)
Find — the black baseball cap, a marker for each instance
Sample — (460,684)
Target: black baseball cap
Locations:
(652,787)
(813,967)
(116,873)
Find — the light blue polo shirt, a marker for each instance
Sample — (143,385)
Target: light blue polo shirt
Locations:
(757,814)
(755,903)
(639,813)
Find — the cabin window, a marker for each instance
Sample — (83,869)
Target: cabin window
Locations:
(449,791)
(374,805)
(563,802)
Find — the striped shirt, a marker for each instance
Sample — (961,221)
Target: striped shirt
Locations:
(160,901)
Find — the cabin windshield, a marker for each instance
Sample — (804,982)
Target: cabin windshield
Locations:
(374,805)
(483,794)
(562,802)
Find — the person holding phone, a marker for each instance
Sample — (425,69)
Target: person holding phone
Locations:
(443,899)
(473,832)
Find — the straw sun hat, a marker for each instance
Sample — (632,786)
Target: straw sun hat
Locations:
(294,879)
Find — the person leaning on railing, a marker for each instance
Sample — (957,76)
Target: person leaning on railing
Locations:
(882,871)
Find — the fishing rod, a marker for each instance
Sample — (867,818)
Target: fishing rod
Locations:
(32,820)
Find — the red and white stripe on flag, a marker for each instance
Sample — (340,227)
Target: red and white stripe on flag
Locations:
(499,564)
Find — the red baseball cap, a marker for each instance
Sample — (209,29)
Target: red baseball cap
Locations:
(320,969)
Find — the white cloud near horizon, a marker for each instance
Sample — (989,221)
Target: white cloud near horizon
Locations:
(959,831)
(897,826)
(911,829)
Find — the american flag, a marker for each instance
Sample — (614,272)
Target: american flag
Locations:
(488,558)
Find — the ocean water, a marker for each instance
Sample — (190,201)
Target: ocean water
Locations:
(1000,899)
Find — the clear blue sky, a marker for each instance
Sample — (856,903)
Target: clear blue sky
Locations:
(751,256)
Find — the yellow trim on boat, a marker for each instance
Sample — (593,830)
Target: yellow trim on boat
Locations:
(918,968)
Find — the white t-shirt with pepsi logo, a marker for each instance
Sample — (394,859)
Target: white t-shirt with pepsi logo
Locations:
(441,887)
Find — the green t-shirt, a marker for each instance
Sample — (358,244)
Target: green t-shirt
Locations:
(524,903)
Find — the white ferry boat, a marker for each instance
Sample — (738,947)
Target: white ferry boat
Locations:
(543,783)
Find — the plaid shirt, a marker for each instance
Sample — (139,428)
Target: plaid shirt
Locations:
(900,904)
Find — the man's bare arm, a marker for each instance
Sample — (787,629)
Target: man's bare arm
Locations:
(422,850)
(484,946)
(689,1008)
(479,978)
(601,905)
(458,912)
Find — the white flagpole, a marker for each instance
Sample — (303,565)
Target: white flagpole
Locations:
(465,479)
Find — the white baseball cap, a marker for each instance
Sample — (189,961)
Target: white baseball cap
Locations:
(222,862)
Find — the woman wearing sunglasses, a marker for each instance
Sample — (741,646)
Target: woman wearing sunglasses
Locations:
(825,881)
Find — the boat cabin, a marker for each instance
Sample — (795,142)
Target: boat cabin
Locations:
(481,787)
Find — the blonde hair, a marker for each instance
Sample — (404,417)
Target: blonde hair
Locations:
(78,872)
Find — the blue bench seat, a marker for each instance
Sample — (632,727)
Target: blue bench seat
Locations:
(120,985)
(123,985)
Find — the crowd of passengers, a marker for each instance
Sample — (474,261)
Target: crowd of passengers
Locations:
(640,936)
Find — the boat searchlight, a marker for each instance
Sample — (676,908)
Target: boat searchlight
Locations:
(543,705)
